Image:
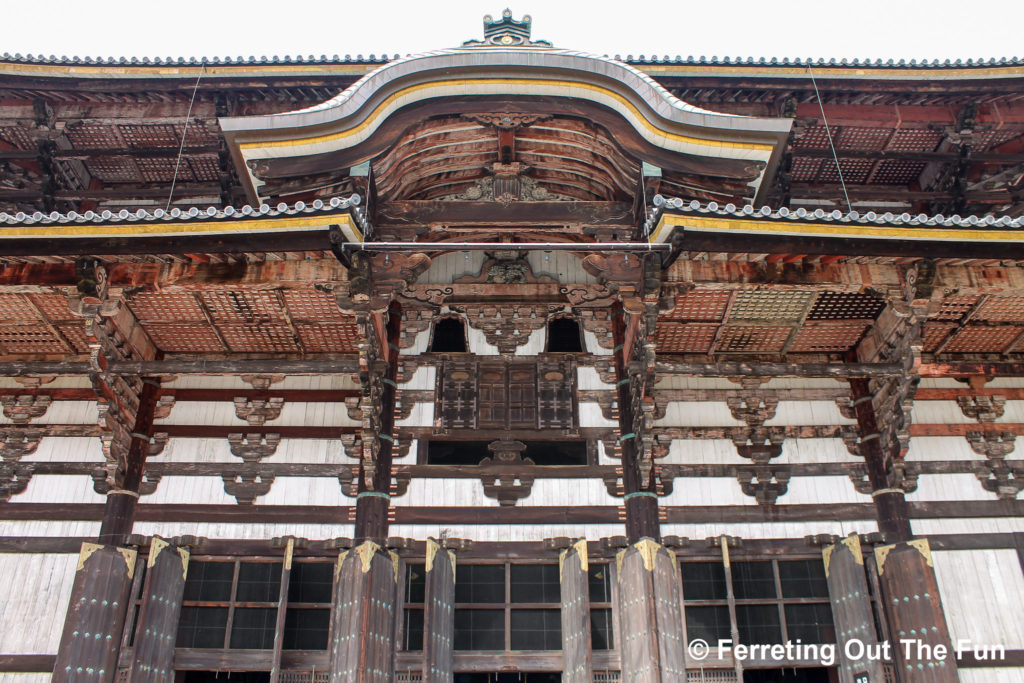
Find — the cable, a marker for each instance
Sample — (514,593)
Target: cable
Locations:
(828,133)
(184,134)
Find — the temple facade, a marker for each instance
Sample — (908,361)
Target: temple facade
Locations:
(508,362)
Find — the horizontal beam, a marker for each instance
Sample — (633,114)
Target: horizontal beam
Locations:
(978,158)
(504,246)
(173,366)
(739,369)
(483,213)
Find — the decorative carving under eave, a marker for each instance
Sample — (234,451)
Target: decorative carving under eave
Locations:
(349,480)
(502,475)
(759,445)
(664,481)
(426,294)
(257,411)
(24,408)
(623,274)
(507,121)
(597,321)
(246,487)
(34,381)
(262,382)
(414,322)
(14,478)
(900,476)
(400,478)
(506,326)
(506,268)
(164,406)
(253,447)
(753,409)
(749,382)
(377,278)
(982,408)
(992,444)
(765,484)
(17,443)
(94,298)
(1005,478)
(106,479)
(590,297)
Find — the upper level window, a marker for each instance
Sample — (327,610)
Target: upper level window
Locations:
(564,336)
(449,336)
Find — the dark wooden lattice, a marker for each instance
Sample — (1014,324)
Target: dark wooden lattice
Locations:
(157,627)
(96,613)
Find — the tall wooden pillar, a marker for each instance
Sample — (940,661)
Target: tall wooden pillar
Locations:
(439,615)
(851,610)
(157,627)
(913,609)
(650,601)
(577,664)
(96,614)
(363,615)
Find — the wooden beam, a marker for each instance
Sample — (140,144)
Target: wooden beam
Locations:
(426,212)
(757,369)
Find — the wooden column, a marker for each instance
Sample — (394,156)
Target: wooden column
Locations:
(157,626)
(913,609)
(363,615)
(119,512)
(282,610)
(651,614)
(641,501)
(851,609)
(96,613)
(890,502)
(577,664)
(439,615)
(373,499)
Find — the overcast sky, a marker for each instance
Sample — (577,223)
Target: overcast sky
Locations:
(802,28)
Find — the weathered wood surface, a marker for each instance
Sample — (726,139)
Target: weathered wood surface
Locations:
(851,607)
(96,614)
(157,626)
(363,616)
(913,609)
(577,662)
(439,615)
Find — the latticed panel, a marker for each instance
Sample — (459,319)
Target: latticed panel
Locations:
(198,134)
(1001,309)
(674,337)
(149,135)
(711,676)
(162,169)
(828,337)
(774,305)
(160,307)
(312,305)
(698,304)
(184,337)
(93,136)
(815,137)
(261,338)
(915,140)
(854,170)
(934,334)
(15,308)
(113,169)
(845,306)
(53,306)
(983,339)
(752,338)
(206,168)
(988,140)
(898,172)
(329,337)
(74,333)
(30,339)
(862,138)
(323,677)
(805,170)
(17,136)
(239,306)
(606,677)
(956,307)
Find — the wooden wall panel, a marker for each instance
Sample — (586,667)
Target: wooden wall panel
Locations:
(439,615)
(982,595)
(361,649)
(913,609)
(96,613)
(577,665)
(851,607)
(34,595)
(157,626)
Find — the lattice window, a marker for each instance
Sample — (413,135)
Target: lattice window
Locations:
(774,305)
(315,677)
(699,305)
(672,337)
(752,338)
(458,395)
(606,677)
(845,306)
(555,391)
(711,676)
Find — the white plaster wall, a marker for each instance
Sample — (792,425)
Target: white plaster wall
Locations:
(34,598)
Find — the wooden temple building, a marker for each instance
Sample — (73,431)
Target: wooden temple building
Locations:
(507,362)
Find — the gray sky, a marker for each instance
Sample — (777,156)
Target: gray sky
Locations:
(801,28)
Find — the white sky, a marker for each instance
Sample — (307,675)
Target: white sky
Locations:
(799,28)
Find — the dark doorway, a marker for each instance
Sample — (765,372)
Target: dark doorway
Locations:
(449,336)
(564,336)
(809,675)
(509,677)
(223,677)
